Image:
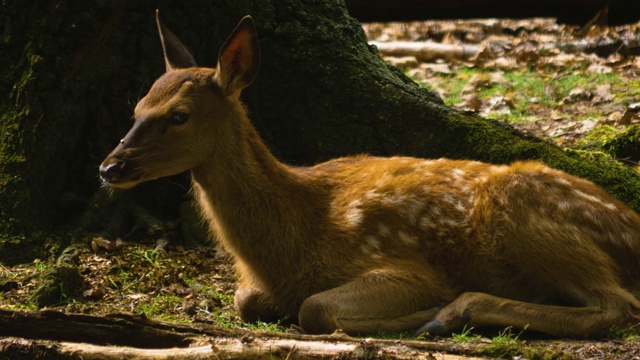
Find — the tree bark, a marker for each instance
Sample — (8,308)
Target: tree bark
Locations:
(74,70)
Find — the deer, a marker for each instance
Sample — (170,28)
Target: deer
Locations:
(368,244)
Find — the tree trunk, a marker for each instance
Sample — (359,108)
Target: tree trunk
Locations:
(73,71)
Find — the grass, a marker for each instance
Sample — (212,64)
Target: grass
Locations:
(508,345)
(465,337)
(523,85)
(159,308)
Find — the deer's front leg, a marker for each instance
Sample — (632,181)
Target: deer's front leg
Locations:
(380,301)
(252,305)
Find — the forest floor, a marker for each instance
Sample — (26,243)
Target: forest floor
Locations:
(519,74)
(568,85)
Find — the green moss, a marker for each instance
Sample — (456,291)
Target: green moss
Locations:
(60,283)
(521,349)
(508,345)
(57,285)
(625,145)
(597,138)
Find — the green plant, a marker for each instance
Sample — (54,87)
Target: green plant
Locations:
(6,272)
(153,256)
(506,337)
(629,333)
(40,265)
(508,345)
(465,337)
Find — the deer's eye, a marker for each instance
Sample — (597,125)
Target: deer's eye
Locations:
(179,118)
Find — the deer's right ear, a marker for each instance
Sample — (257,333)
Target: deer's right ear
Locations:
(239,58)
(176,55)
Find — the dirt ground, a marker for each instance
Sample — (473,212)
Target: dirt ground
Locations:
(197,285)
(188,285)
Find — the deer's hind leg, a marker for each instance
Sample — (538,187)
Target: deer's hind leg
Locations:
(383,300)
(561,286)
(617,308)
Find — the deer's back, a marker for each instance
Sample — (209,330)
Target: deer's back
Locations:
(469,218)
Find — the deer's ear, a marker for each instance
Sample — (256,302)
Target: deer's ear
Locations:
(239,58)
(176,55)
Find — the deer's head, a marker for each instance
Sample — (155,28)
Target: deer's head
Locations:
(178,124)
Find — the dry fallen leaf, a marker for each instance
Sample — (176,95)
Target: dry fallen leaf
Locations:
(577,94)
(471,102)
(602,94)
(99,242)
(94,293)
(599,69)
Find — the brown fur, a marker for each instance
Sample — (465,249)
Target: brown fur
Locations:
(370,244)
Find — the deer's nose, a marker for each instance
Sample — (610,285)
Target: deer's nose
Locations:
(111,169)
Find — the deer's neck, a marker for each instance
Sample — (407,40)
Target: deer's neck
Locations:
(256,205)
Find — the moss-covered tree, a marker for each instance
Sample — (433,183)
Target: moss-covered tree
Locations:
(72,71)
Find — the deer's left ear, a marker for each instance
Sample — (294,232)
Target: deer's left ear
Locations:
(239,58)
(176,55)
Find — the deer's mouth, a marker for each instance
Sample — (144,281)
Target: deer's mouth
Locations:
(118,173)
(121,184)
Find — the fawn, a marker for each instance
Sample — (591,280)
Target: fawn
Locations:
(368,244)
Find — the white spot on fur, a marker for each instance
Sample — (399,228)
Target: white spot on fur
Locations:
(564,205)
(384,230)
(458,173)
(449,223)
(371,194)
(498,169)
(407,239)
(373,243)
(628,238)
(594,199)
(427,223)
(448,198)
(562,181)
(436,211)
(354,213)
(365,249)
(588,214)
(383,180)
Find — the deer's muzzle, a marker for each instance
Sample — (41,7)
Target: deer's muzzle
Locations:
(116,172)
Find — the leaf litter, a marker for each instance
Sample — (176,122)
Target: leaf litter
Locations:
(558,82)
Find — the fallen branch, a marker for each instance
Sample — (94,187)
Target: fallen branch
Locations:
(49,333)
(427,51)
(223,348)
(430,51)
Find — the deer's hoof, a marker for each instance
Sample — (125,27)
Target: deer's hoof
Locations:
(434,328)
